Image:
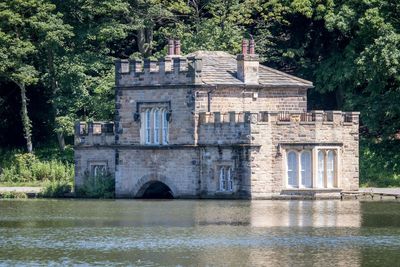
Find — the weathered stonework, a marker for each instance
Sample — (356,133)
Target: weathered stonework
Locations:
(217,120)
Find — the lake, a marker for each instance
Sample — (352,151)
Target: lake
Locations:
(199,233)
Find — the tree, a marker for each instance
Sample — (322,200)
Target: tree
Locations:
(25,28)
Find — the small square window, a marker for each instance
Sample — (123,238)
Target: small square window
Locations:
(98,168)
(225,178)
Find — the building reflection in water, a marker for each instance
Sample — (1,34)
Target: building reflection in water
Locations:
(318,232)
(305,214)
(288,233)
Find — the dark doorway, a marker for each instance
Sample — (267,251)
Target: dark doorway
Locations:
(158,190)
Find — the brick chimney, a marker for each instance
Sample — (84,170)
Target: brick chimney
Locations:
(248,63)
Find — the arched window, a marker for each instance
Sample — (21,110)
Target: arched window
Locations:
(229,179)
(148,127)
(154,127)
(306,180)
(292,169)
(222,179)
(321,169)
(164,127)
(225,179)
(157,126)
(330,169)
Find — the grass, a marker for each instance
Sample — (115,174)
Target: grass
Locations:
(12,194)
(27,184)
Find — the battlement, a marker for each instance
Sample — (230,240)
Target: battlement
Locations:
(231,117)
(224,128)
(168,70)
(94,133)
(312,117)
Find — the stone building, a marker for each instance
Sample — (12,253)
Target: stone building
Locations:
(214,125)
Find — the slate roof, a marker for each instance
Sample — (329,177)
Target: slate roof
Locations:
(220,68)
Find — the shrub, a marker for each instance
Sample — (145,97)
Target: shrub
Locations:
(56,189)
(99,186)
(27,167)
(13,194)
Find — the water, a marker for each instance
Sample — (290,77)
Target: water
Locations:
(199,233)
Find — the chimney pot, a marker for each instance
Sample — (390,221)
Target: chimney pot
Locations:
(177,47)
(244,47)
(252,46)
(170,47)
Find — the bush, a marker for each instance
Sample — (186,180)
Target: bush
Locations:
(25,167)
(99,186)
(13,194)
(56,189)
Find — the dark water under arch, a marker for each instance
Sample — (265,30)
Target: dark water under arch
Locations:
(157,190)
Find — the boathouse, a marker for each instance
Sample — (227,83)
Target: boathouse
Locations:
(214,125)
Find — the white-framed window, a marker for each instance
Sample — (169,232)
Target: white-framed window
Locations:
(292,169)
(225,179)
(164,127)
(155,126)
(330,169)
(312,167)
(148,127)
(321,169)
(306,170)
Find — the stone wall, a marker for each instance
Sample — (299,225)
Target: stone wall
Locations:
(177,168)
(276,138)
(236,157)
(226,98)
(84,156)
(179,100)
(223,128)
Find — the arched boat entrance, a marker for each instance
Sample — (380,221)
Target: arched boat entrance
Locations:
(156,190)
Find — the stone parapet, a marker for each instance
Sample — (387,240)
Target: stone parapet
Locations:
(166,71)
(224,128)
(94,133)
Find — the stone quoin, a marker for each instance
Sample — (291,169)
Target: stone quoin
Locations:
(213,125)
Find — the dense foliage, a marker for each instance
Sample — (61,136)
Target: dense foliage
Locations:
(35,169)
(56,59)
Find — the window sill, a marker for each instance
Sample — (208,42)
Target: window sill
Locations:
(315,190)
(347,123)
(283,122)
(224,192)
(307,123)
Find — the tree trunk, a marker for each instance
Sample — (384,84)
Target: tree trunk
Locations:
(61,141)
(26,122)
(54,88)
(144,39)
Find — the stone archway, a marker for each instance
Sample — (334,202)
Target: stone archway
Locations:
(156,190)
(155,186)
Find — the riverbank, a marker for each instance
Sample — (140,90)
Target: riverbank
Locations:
(37,192)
